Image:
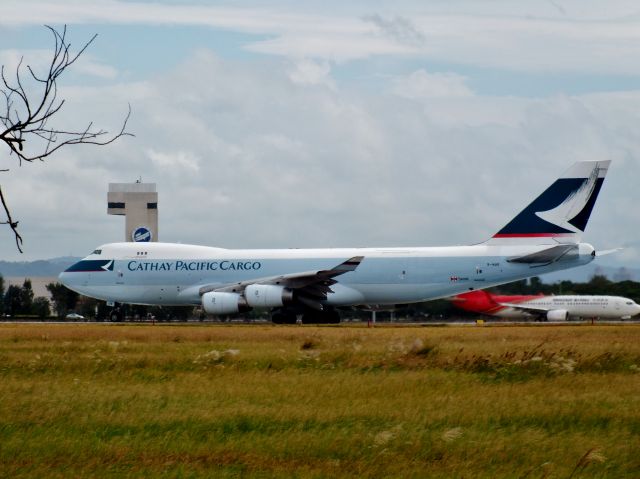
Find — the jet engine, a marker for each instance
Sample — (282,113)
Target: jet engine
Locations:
(216,302)
(267,295)
(557,315)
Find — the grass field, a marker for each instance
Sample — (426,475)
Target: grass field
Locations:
(300,401)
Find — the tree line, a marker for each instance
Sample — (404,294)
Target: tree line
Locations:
(596,285)
(19,301)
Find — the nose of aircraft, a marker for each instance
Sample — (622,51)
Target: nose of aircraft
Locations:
(70,275)
(63,277)
(66,278)
(636,309)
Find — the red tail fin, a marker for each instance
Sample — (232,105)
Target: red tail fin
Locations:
(478,301)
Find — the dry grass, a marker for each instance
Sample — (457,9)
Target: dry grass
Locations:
(263,401)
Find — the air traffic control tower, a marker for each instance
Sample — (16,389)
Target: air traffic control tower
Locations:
(138,202)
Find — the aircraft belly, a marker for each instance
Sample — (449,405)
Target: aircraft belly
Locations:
(510,313)
(393,293)
(135,294)
(115,292)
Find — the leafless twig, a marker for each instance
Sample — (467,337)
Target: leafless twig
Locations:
(25,118)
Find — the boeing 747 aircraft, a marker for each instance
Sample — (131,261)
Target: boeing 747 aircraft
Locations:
(315,283)
(547,308)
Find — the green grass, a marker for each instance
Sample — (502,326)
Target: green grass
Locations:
(262,401)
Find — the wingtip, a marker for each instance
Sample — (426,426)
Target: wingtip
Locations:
(350,265)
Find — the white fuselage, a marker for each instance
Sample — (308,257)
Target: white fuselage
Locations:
(576,306)
(174,274)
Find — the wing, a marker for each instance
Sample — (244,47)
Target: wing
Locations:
(311,287)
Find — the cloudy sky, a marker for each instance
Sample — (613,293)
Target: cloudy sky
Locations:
(363,123)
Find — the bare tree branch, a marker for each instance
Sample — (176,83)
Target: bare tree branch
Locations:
(25,116)
(12,224)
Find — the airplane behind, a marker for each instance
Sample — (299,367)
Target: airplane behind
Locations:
(546,308)
(315,284)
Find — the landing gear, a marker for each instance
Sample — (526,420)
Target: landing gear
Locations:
(116,315)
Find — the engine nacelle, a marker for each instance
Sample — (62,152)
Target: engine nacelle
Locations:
(223,303)
(557,315)
(267,295)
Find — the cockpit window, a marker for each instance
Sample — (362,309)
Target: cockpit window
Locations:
(629,303)
(97,251)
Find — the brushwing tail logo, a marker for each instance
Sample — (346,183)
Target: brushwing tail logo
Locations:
(566,213)
(108,266)
(562,211)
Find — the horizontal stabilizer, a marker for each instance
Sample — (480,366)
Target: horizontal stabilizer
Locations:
(546,256)
(607,251)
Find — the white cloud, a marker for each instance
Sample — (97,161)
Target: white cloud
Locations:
(309,72)
(338,47)
(175,161)
(530,36)
(11,58)
(279,152)
(88,65)
(421,84)
(242,159)
(40,60)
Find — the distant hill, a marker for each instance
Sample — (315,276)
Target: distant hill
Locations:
(38,268)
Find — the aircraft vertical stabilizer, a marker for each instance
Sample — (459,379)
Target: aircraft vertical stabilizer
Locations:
(561,213)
